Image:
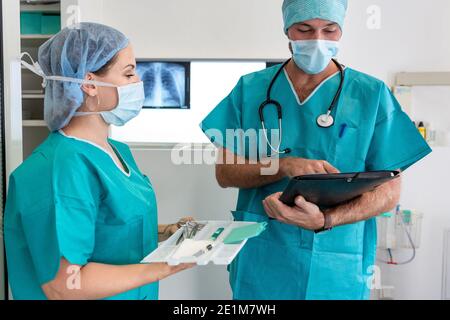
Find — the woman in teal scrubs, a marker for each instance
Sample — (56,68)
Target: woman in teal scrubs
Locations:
(371,132)
(80,215)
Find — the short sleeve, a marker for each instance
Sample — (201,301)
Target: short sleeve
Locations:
(52,207)
(221,124)
(396,142)
(30,231)
(77,196)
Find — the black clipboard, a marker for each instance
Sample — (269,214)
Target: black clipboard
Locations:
(330,190)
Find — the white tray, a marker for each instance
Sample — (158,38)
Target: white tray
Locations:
(221,254)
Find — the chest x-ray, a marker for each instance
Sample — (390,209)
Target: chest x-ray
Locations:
(165,84)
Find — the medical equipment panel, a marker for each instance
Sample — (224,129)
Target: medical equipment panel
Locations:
(394,230)
(399,229)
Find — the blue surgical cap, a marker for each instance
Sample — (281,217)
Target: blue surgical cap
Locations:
(74,52)
(295,11)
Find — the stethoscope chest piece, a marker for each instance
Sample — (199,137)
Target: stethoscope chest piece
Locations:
(325,121)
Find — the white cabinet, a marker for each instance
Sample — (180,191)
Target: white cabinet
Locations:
(34,129)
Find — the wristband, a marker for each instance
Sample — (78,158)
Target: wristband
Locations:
(327,226)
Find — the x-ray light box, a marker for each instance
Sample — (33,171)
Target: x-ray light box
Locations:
(166,84)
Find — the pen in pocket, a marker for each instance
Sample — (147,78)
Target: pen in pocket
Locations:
(342,131)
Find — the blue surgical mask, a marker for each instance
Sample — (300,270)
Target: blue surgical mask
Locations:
(131,100)
(131,96)
(313,56)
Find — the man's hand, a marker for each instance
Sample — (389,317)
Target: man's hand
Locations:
(305,214)
(238,172)
(165,231)
(294,167)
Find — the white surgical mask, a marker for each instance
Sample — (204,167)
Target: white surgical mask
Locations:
(131,96)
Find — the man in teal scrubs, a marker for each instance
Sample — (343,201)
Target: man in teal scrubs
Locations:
(370,132)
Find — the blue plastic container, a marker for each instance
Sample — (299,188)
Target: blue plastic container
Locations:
(50,23)
(30,22)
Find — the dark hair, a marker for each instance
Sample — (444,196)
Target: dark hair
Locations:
(104,70)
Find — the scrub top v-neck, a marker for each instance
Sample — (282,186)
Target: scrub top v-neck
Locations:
(311,95)
(71,199)
(124,168)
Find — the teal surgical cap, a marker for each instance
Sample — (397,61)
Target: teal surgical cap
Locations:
(295,11)
(74,52)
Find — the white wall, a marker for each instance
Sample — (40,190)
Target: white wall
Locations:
(425,188)
(413,37)
(189,190)
(73,11)
(203,29)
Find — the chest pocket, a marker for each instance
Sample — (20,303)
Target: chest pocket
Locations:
(346,151)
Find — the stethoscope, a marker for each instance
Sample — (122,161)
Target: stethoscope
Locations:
(325,120)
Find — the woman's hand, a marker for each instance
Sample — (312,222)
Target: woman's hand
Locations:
(305,214)
(98,281)
(168,271)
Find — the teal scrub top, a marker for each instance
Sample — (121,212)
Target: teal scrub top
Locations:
(69,199)
(288,262)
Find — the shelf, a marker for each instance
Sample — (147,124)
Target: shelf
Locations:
(423,79)
(47,8)
(24,92)
(34,40)
(35,36)
(34,123)
(439,146)
(33,96)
